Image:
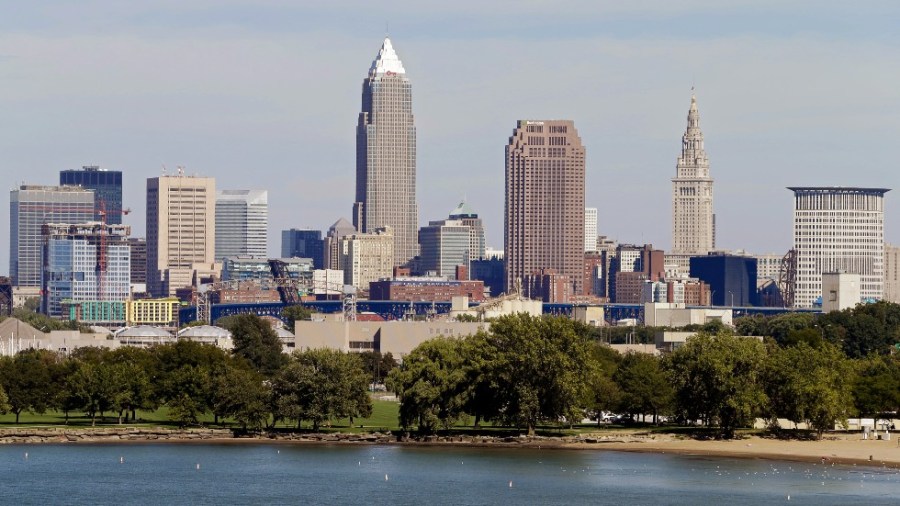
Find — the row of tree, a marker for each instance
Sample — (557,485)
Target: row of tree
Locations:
(527,371)
(256,384)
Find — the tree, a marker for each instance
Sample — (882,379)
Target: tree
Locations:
(877,385)
(541,369)
(603,394)
(136,391)
(377,365)
(480,383)
(319,385)
(4,402)
(717,379)
(643,384)
(93,385)
(810,384)
(255,341)
(241,394)
(182,378)
(293,313)
(27,379)
(430,384)
(780,326)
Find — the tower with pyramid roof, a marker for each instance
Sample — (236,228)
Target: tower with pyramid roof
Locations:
(386,155)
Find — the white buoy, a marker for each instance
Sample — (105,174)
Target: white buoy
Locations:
(510,483)
(789,497)
(385,477)
(198,467)
(121,460)
(26,455)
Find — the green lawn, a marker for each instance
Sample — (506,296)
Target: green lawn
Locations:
(385,417)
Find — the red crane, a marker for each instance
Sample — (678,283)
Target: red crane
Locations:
(101,254)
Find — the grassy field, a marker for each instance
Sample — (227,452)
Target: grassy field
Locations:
(385,417)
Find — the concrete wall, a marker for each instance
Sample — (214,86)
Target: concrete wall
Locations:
(677,315)
(395,337)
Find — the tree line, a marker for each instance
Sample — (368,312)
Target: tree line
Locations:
(527,371)
(523,372)
(256,385)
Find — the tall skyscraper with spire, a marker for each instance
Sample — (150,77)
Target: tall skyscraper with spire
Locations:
(693,221)
(386,155)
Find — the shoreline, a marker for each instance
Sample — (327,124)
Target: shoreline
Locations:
(834,449)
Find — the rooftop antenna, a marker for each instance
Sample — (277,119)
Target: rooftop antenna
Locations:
(163,169)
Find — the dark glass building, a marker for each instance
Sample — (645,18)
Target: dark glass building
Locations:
(492,271)
(107,186)
(304,244)
(731,278)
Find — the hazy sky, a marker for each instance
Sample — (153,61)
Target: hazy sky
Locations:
(265,94)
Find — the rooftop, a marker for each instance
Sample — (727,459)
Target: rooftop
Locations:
(387,61)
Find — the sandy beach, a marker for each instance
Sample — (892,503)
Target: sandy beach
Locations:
(834,448)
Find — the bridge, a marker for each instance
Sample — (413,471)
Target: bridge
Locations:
(396,310)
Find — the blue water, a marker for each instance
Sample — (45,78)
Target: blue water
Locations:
(310,474)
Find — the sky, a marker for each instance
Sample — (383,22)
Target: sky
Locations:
(266,93)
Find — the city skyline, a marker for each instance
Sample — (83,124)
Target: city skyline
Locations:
(810,88)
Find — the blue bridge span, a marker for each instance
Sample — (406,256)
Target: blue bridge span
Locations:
(393,310)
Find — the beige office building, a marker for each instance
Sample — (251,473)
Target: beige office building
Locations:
(386,156)
(544,209)
(693,221)
(366,257)
(181,231)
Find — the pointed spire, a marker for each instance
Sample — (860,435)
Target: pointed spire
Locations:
(693,162)
(693,113)
(387,61)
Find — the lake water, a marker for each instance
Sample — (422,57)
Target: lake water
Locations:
(310,474)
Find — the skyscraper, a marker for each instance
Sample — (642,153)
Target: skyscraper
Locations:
(444,247)
(544,209)
(693,221)
(332,243)
(107,186)
(470,218)
(838,229)
(386,156)
(181,231)
(590,229)
(303,243)
(242,223)
(366,257)
(71,269)
(31,206)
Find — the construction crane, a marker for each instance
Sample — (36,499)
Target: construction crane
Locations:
(103,212)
